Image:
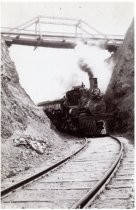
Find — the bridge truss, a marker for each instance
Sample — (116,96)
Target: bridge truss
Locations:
(55,32)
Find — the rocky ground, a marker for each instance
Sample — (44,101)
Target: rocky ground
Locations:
(24,167)
(27,137)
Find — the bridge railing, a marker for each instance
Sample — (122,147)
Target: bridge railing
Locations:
(44,28)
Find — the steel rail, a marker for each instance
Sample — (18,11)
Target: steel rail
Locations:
(87,200)
(32,178)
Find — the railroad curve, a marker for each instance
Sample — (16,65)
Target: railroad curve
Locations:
(65,186)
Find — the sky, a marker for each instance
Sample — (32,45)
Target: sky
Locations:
(106,16)
(47,73)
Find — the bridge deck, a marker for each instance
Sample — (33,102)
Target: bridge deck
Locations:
(56,32)
(41,43)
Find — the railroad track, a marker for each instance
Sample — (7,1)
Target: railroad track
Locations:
(75,185)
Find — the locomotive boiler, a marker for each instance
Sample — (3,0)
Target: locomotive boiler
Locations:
(81,111)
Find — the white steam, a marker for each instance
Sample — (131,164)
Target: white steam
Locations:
(95,58)
(47,73)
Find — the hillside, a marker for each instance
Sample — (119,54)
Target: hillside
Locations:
(27,138)
(120,92)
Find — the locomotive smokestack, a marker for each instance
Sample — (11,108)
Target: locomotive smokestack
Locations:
(93,83)
(84,67)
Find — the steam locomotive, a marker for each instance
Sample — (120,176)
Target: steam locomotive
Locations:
(81,111)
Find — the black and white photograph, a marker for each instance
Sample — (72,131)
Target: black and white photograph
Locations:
(67,104)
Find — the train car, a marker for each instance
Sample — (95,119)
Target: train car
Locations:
(81,111)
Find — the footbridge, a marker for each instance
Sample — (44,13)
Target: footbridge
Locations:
(55,32)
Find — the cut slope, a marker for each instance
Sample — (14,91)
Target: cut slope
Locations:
(25,129)
(120,92)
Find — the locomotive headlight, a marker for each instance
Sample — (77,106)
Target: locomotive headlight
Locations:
(96,92)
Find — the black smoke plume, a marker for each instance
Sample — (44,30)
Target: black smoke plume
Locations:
(84,67)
